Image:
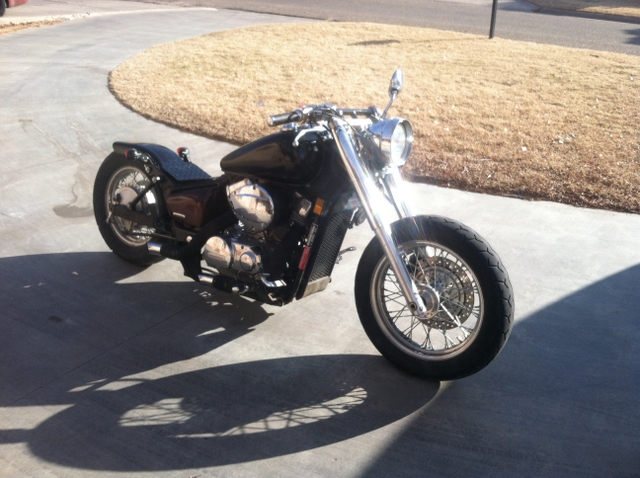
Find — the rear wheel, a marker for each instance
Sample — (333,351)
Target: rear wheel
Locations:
(118,182)
(462,282)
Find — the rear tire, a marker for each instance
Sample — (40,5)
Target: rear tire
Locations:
(119,181)
(473,313)
(3,7)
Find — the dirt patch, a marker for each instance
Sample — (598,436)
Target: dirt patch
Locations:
(10,28)
(494,116)
(627,8)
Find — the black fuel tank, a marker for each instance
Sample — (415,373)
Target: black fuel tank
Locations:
(275,159)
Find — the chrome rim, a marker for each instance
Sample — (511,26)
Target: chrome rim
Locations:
(124,186)
(451,292)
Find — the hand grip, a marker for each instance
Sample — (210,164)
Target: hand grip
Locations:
(284,118)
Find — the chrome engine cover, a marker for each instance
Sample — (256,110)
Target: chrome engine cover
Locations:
(227,254)
(252,204)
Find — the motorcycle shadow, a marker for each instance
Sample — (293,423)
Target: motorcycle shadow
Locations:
(123,414)
(63,310)
(560,400)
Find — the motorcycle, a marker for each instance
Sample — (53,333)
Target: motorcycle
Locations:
(431,294)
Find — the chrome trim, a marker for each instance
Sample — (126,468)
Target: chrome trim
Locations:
(304,132)
(252,204)
(392,180)
(205,279)
(366,190)
(154,248)
(382,133)
(317,285)
(272,285)
(395,87)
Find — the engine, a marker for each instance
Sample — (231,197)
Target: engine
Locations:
(252,204)
(228,255)
(248,249)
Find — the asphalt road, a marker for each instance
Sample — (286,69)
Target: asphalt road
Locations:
(110,370)
(516,19)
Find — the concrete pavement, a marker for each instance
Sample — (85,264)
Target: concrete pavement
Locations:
(38,10)
(106,368)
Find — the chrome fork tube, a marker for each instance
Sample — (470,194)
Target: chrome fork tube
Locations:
(367,190)
(392,181)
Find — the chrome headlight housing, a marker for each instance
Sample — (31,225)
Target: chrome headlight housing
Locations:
(394,137)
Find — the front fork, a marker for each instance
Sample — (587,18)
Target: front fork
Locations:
(368,193)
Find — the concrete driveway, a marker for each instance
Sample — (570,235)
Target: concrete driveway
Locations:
(108,369)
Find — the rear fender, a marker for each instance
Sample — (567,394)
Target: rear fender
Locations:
(165,160)
(193,198)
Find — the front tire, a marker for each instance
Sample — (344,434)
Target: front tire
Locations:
(455,269)
(119,181)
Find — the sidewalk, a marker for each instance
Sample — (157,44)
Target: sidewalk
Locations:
(47,10)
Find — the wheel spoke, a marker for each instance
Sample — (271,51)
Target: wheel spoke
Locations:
(398,315)
(427,344)
(408,332)
(452,317)
(123,188)
(448,343)
(460,301)
(458,304)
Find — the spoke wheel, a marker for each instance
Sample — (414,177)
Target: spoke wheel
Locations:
(446,282)
(465,289)
(124,186)
(118,182)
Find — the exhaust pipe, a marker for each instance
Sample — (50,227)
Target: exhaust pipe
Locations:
(225,284)
(154,248)
(193,248)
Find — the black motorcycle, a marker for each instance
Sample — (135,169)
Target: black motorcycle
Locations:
(432,295)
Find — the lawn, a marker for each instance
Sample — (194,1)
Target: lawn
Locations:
(495,116)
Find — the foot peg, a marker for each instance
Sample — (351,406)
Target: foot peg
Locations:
(344,251)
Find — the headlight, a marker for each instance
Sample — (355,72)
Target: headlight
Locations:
(395,139)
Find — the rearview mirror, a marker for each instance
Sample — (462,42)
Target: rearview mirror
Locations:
(396,83)
(394,88)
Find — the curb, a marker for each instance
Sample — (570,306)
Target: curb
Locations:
(79,16)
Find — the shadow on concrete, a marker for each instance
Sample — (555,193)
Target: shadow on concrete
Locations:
(62,310)
(224,415)
(634,36)
(561,400)
(78,324)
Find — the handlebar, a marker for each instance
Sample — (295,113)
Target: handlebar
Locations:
(321,111)
(284,118)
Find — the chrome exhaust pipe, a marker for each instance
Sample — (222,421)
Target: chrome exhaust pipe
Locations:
(205,279)
(154,248)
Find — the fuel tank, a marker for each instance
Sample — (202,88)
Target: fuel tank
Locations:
(275,159)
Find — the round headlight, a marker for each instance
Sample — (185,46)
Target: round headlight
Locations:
(395,139)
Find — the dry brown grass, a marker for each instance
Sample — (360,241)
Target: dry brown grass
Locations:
(494,116)
(628,8)
(14,27)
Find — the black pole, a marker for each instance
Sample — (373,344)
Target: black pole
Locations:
(494,12)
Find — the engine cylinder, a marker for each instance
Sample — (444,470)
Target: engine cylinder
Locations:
(229,255)
(252,204)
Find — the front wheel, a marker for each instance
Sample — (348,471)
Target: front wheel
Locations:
(119,182)
(464,283)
